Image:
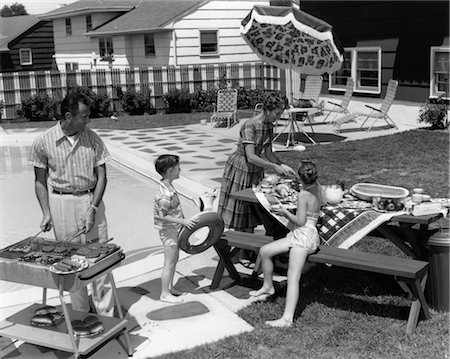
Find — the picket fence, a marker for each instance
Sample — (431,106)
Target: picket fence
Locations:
(18,86)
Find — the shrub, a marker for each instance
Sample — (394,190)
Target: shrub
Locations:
(39,107)
(178,101)
(248,98)
(136,102)
(203,100)
(100,103)
(434,112)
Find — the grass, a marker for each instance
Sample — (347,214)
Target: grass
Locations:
(126,122)
(341,313)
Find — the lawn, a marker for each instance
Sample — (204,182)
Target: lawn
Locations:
(341,313)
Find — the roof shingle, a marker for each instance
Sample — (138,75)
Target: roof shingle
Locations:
(13,26)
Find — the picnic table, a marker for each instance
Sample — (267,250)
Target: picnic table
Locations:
(409,233)
(410,273)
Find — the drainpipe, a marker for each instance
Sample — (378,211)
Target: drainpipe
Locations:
(174,42)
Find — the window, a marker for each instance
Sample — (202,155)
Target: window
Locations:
(364,66)
(88,22)
(440,70)
(339,78)
(149,45)
(68,27)
(105,46)
(208,42)
(71,66)
(25,57)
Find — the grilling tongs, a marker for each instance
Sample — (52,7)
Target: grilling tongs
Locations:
(80,232)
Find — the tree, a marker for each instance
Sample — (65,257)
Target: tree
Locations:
(15,9)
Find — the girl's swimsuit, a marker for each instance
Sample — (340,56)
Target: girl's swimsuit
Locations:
(306,236)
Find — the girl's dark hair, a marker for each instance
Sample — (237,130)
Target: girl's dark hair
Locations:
(164,162)
(275,100)
(307,172)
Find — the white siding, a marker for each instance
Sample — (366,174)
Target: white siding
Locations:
(224,16)
(78,47)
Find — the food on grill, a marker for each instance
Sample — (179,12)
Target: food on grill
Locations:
(61,249)
(366,191)
(83,251)
(41,258)
(24,249)
(47,249)
(93,253)
(45,310)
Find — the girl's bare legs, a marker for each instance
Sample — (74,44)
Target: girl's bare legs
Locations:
(171,254)
(266,253)
(297,259)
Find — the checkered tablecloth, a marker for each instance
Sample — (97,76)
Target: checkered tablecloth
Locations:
(340,226)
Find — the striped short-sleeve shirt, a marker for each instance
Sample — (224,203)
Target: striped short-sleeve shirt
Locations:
(70,166)
(166,203)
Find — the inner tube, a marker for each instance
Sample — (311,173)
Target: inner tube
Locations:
(213,221)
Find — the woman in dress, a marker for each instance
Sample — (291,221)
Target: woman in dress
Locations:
(245,167)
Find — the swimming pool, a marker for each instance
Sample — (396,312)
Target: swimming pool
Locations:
(129,209)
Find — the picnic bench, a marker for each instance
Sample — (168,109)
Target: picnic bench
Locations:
(410,274)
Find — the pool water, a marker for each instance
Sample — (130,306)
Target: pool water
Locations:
(128,199)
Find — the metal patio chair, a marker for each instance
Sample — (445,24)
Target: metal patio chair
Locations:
(375,114)
(225,111)
(340,108)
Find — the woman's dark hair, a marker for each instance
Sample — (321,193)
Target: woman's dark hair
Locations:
(307,172)
(164,162)
(70,102)
(275,100)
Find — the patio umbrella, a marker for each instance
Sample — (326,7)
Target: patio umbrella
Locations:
(291,39)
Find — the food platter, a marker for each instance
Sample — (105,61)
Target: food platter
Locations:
(81,265)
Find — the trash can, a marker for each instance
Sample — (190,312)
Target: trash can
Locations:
(439,275)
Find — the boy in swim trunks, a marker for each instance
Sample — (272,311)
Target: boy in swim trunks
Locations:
(300,242)
(169,219)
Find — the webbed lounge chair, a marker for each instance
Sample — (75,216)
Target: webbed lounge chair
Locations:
(376,114)
(225,112)
(340,108)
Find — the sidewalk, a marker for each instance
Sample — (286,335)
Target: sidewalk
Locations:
(157,328)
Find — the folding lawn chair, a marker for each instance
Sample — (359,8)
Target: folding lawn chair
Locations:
(376,114)
(340,108)
(225,113)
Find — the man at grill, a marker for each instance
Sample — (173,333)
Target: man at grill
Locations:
(70,179)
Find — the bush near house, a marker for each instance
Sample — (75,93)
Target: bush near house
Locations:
(136,102)
(100,103)
(178,101)
(181,101)
(434,112)
(40,107)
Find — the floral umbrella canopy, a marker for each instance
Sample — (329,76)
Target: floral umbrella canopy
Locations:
(291,39)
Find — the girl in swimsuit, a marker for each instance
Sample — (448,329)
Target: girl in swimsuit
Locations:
(300,242)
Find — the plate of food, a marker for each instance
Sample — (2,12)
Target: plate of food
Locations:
(69,266)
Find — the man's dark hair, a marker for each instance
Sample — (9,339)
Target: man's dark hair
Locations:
(70,102)
(164,162)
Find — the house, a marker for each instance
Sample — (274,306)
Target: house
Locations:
(140,33)
(403,40)
(26,43)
